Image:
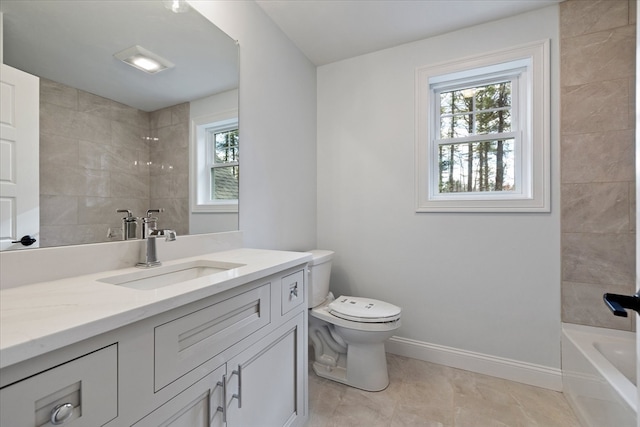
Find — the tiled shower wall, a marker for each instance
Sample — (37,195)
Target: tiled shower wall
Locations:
(597,163)
(94,160)
(169,168)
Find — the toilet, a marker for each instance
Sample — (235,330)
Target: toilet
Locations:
(348,333)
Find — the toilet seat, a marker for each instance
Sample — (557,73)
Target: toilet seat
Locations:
(373,324)
(364,310)
(323,314)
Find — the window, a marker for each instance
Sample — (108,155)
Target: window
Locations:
(482,138)
(216,175)
(222,162)
(476,144)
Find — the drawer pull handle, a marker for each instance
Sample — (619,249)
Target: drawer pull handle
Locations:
(293,291)
(239,394)
(223,383)
(61,413)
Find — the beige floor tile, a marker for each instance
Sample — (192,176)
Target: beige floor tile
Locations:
(423,394)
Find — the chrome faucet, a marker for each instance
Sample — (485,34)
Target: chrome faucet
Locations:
(129,225)
(150,223)
(150,256)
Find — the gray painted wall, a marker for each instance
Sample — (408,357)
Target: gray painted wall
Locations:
(277,129)
(486,283)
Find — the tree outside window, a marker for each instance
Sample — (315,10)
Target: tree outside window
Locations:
(224,165)
(476,147)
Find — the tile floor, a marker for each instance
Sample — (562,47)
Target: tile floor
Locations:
(426,394)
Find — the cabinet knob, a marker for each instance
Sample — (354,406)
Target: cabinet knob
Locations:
(61,413)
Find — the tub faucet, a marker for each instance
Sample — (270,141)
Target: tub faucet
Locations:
(149,256)
(618,303)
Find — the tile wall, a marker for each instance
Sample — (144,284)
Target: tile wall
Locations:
(169,167)
(94,160)
(597,74)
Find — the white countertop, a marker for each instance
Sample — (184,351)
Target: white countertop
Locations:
(41,317)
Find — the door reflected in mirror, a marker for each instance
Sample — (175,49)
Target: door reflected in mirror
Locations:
(112,136)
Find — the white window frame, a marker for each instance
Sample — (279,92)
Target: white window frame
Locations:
(201,170)
(528,68)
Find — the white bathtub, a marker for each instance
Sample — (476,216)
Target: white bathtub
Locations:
(599,375)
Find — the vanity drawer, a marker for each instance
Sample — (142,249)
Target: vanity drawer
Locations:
(292,291)
(88,384)
(185,343)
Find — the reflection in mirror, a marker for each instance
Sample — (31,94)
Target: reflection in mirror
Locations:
(115,137)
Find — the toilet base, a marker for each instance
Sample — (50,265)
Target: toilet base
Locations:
(334,373)
(349,352)
(371,375)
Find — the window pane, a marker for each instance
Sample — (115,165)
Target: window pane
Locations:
(476,110)
(224,183)
(457,101)
(494,122)
(226,147)
(456,126)
(493,96)
(476,167)
(445,103)
(446,127)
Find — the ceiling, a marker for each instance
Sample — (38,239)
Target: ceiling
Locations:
(331,30)
(42,38)
(73,42)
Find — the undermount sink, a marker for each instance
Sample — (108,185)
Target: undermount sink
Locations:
(160,277)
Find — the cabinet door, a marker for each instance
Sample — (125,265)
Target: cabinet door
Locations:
(200,405)
(265,386)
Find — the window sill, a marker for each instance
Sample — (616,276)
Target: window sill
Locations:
(231,207)
(510,205)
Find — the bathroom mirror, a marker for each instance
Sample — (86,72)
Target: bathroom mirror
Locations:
(112,136)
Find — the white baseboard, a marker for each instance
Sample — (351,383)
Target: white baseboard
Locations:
(509,369)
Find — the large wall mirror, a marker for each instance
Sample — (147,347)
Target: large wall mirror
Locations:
(114,137)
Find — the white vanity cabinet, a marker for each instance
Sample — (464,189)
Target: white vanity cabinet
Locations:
(262,386)
(236,358)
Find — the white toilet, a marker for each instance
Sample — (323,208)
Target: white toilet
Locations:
(348,333)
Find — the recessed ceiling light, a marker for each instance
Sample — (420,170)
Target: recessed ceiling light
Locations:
(143,59)
(177,6)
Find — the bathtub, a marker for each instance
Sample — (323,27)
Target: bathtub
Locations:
(599,375)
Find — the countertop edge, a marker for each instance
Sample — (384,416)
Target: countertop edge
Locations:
(260,263)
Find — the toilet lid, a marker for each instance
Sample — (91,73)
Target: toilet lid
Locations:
(364,310)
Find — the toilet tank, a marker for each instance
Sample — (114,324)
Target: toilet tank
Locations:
(319,275)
